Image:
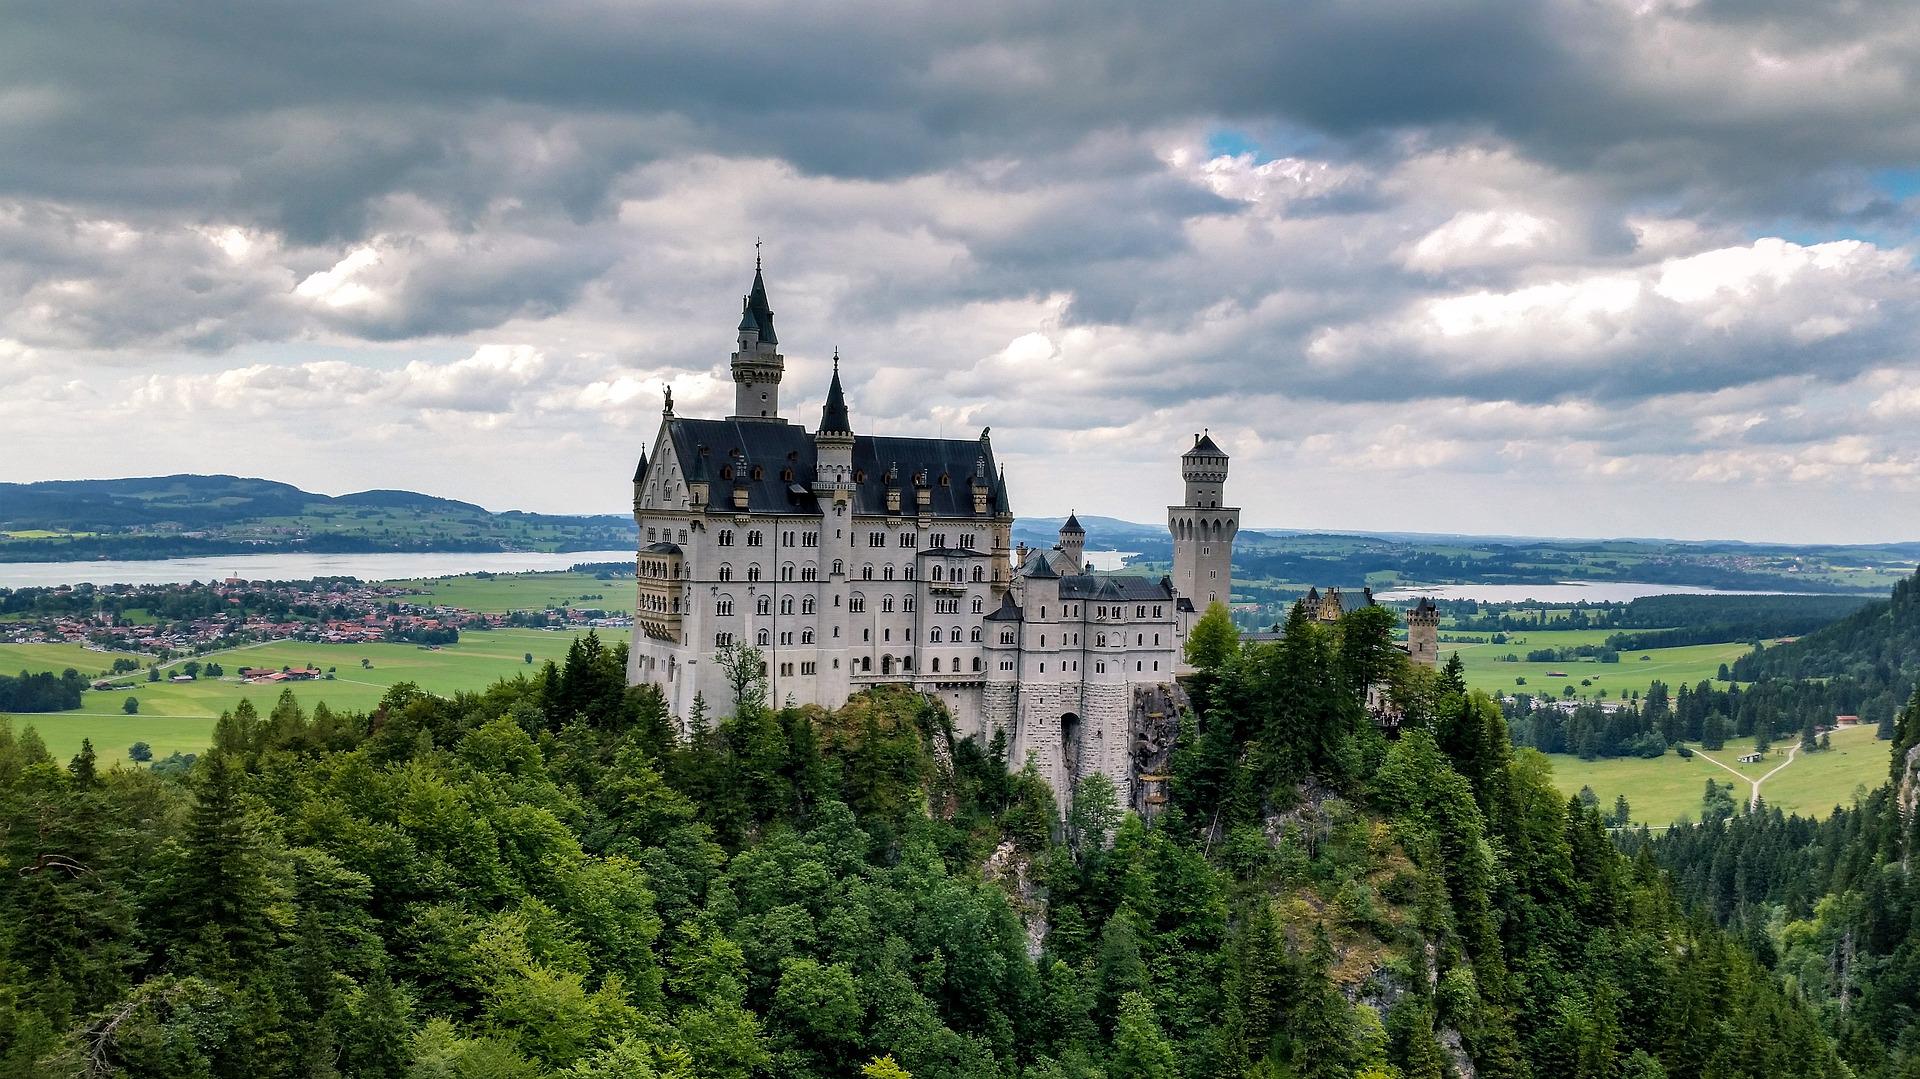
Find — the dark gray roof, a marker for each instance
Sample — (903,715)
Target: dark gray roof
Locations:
(779,448)
(1203,445)
(758,308)
(1008,611)
(1073,525)
(661,548)
(640,470)
(833,416)
(1115,589)
(956,552)
(1039,565)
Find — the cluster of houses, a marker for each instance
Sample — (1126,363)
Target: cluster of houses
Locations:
(348,612)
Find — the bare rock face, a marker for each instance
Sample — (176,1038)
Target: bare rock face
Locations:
(1007,866)
(1153,725)
(1462,1064)
(1909,794)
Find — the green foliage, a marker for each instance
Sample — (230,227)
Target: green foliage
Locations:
(1213,639)
(556,878)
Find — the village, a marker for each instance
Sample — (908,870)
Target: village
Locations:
(171,621)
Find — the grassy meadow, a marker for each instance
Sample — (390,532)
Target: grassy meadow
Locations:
(1487,668)
(528,591)
(179,716)
(1668,788)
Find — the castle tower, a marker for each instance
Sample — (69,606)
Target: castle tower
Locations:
(1203,528)
(757,366)
(833,487)
(1423,632)
(1073,542)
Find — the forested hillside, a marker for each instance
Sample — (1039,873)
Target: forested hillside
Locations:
(543,880)
(1832,905)
(185,515)
(1866,662)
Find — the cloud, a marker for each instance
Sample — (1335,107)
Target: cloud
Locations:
(1407,259)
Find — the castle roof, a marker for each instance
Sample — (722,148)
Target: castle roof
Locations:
(786,457)
(1008,611)
(833,415)
(1115,589)
(663,547)
(1203,446)
(640,470)
(1039,566)
(1072,527)
(758,309)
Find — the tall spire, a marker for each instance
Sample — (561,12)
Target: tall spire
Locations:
(757,306)
(833,417)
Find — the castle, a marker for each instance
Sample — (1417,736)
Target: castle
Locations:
(852,560)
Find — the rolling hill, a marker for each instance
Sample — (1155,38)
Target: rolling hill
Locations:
(185,515)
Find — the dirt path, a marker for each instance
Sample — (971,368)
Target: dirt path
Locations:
(1753,796)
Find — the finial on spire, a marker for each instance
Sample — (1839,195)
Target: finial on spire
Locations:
(836,359)
(756,253)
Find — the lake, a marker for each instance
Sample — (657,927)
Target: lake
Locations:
(1561,592)
(293,567)
(1109,560)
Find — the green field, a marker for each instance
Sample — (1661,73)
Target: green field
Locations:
(528,591)
(180,716)
(1487,668)
(1668,788)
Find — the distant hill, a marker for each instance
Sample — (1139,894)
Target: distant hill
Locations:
(186,515)
(1876,649)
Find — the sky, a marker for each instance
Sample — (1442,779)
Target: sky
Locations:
(1571,267)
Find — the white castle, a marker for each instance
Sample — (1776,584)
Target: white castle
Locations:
(854,560)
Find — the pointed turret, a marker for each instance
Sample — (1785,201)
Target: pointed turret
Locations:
(1073,542)
(758,365)
(640,470)
(833,415)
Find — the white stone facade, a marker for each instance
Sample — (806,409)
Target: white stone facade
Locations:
(853,560)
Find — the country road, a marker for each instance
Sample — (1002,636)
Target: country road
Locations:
(1753,799)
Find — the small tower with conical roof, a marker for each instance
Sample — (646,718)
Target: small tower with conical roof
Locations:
(758,365)
(1203,529)
(1073,542)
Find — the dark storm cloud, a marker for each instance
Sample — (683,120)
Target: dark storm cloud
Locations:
(195,101)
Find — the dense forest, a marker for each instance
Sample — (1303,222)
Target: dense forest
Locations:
(549,879)
(41,691)
(1833,905)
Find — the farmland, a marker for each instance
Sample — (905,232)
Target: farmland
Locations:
(527,591)
(1487,667)
(180,715)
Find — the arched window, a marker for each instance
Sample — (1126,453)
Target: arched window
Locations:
(954,634)
(979,605)
(763,605)
(979,574)
(886,604)
(806,636)
(786,604)
(806,605)
(809,572)
(753,572)
(839,567)
(726,571)
(723,605)
(754,538)
(907,604)
(934,635)
(976,663)
(939,574)
(936,664)
(786,572)
(908,572)
(866,572)
(856,603)
(762,639)
(974,635)
(887,572)
(725,538)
